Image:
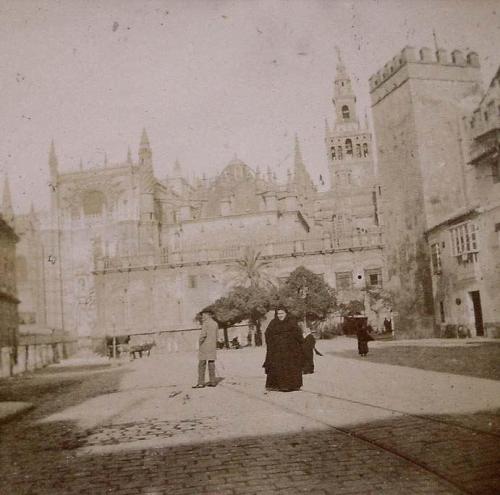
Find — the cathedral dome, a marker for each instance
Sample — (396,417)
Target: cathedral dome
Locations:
(236,170)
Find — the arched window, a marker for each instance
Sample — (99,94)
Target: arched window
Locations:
(339,152)
(365,149)
(334,156)
(348,147)
(345,112)
(358,150)
(93,203)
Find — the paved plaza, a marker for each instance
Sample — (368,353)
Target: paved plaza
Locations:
(357,427)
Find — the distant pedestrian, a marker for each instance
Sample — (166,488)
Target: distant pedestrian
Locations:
(309,349)
(363,338)
(387,325)
(284,356)
(207,350)
(258,337)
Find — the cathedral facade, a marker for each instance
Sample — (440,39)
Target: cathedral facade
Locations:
(122,252)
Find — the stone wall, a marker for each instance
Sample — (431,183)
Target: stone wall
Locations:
(29,357)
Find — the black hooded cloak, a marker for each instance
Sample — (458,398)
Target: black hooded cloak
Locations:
(284,356)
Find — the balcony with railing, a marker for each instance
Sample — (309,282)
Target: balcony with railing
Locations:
(485,132)
(486,147)
(304,247)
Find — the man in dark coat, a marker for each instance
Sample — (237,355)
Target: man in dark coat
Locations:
(284,356)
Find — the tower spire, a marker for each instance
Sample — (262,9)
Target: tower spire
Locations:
(144,139)
(344,98)
(145,153)
(298,164)
(436,46)
(7,210)
(53,163)
(340,62)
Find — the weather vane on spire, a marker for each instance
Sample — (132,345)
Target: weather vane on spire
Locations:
(435,39)
(339,55)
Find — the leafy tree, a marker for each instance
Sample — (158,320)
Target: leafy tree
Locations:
(253,304)
(379,300)
(241,303)
(306,295)
(353,307)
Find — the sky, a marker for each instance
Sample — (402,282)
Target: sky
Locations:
(207,79)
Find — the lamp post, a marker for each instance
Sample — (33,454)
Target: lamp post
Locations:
(303,292)
(114,338)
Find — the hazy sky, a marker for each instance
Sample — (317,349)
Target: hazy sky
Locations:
(207,79)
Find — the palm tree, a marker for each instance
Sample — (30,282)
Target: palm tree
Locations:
(251,270)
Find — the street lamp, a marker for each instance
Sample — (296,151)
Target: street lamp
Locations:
(303,292)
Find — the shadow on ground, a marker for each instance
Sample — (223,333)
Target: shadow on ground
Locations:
(480,360)
(54,388)
(401,455)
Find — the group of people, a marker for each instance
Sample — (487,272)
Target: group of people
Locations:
(289,355)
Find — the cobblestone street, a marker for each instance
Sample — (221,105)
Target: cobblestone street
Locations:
(356,428)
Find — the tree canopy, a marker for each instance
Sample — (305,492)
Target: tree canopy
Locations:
(241,303)
(306,295)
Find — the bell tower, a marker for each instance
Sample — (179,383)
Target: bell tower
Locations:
(344,99)
(351,166)
(148,223)
(349,143)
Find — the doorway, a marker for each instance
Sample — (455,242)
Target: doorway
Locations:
(478,314)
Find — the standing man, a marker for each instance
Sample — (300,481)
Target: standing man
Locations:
(207,350)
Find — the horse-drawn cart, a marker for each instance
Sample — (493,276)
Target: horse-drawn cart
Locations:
(133,345)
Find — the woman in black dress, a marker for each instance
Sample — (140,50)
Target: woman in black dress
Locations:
(284,356)
(364,337)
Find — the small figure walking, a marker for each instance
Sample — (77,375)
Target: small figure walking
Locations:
(207,350)
(387,325)
(363,338)
(309,348)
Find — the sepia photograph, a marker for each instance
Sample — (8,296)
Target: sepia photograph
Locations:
(250,247)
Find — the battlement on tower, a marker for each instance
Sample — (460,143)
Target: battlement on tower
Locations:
(425,63)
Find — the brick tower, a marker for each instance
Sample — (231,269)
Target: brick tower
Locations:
(417,102)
